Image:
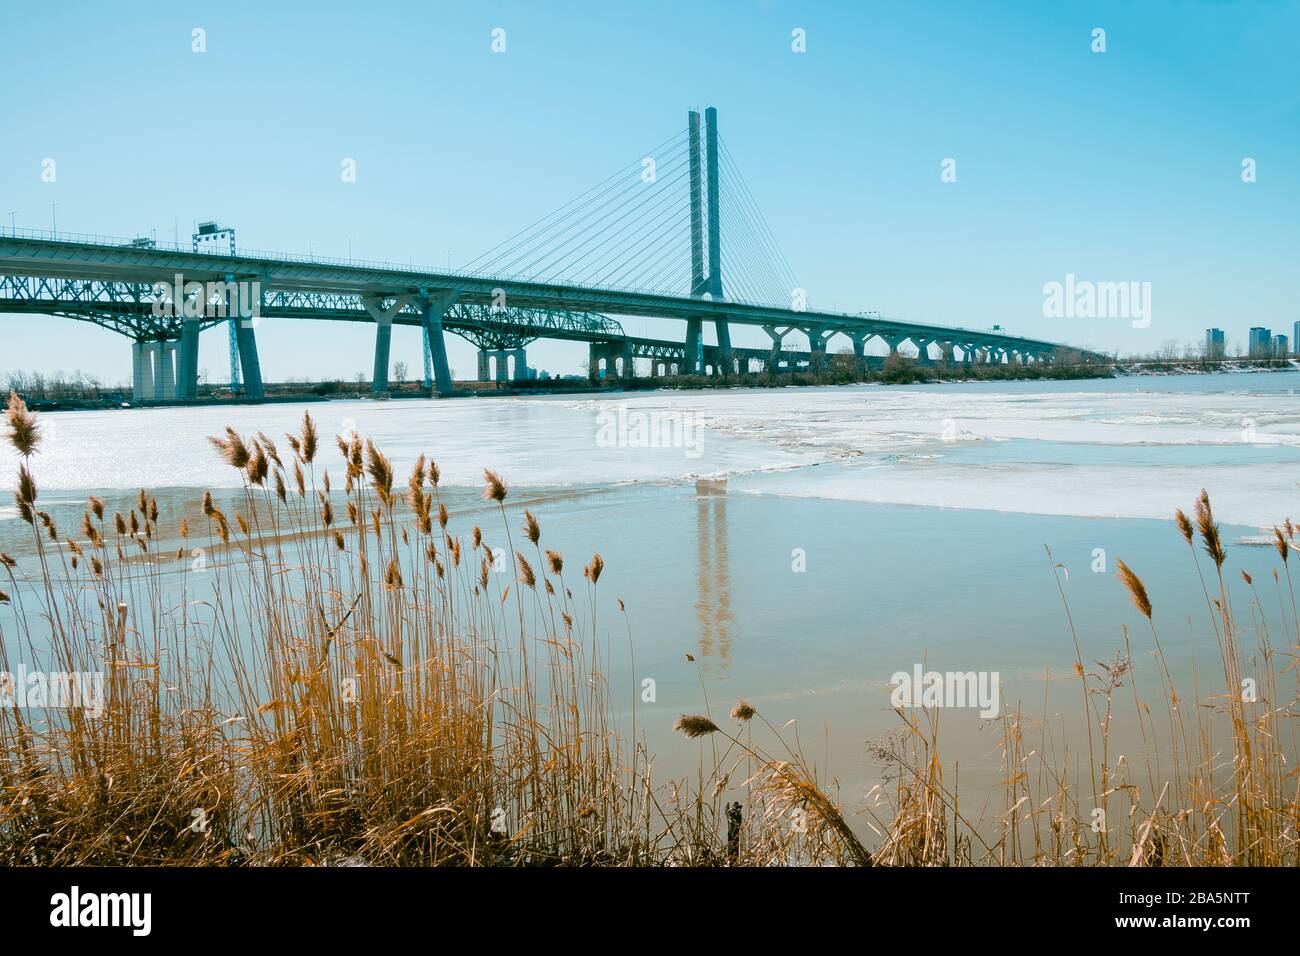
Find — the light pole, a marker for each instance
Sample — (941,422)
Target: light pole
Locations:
(54,213)
(13,226)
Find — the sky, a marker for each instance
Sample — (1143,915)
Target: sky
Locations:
(1117,166)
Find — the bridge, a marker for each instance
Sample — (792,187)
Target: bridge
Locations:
(648,242)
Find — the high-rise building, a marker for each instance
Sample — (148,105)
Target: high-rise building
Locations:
(1280,347)
(1261,342)
(1214,347)
(1295,338)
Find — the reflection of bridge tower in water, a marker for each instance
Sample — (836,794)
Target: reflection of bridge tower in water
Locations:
(713,609)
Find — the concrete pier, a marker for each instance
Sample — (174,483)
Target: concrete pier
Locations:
(383,317)
(694,362)
(153,371)
(187,366)
(777,335)
(164,370)
(383,346)
(433,306)
(141,371)
(818,336)
(248,361)
(245,314)
(859,351)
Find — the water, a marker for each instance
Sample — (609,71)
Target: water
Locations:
(860,530)
(1129,447)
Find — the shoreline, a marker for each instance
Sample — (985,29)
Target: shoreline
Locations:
(911,374)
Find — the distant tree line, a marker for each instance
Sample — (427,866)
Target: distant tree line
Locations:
(36,387)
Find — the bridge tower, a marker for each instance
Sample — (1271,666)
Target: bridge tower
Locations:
(715,235)
(705,194)
(694,350)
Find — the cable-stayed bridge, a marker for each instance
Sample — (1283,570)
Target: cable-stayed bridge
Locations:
(675,235)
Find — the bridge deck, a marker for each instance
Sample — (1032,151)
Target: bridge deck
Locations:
(123,262)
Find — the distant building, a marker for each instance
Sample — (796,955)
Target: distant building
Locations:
(1214,347)
(1280,347)
(1261,342)
(1295,336)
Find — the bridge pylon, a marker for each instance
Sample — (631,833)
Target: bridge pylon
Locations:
(706,219)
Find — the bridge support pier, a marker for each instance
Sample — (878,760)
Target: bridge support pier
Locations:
(817,339)
(611,353)
(433,306)
(187,366)
(248,361)
(521,364)
(483,369)
(428,359)
(694,362)
(923,351)
(244,315)
(778,337)
(859,352)
(383,339)
(141,371)
(725,364)
(383,347)
(164,381)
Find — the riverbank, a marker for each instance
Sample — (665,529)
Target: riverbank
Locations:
(903,371)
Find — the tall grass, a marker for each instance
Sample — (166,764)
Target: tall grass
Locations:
(321,677)
(331,670)
(1213,784)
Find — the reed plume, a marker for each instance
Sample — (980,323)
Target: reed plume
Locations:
(695,725)
(1136,589)
(1209,530)
(495,489)
(24,433)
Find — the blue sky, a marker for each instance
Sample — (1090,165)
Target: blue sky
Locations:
(1120,166)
